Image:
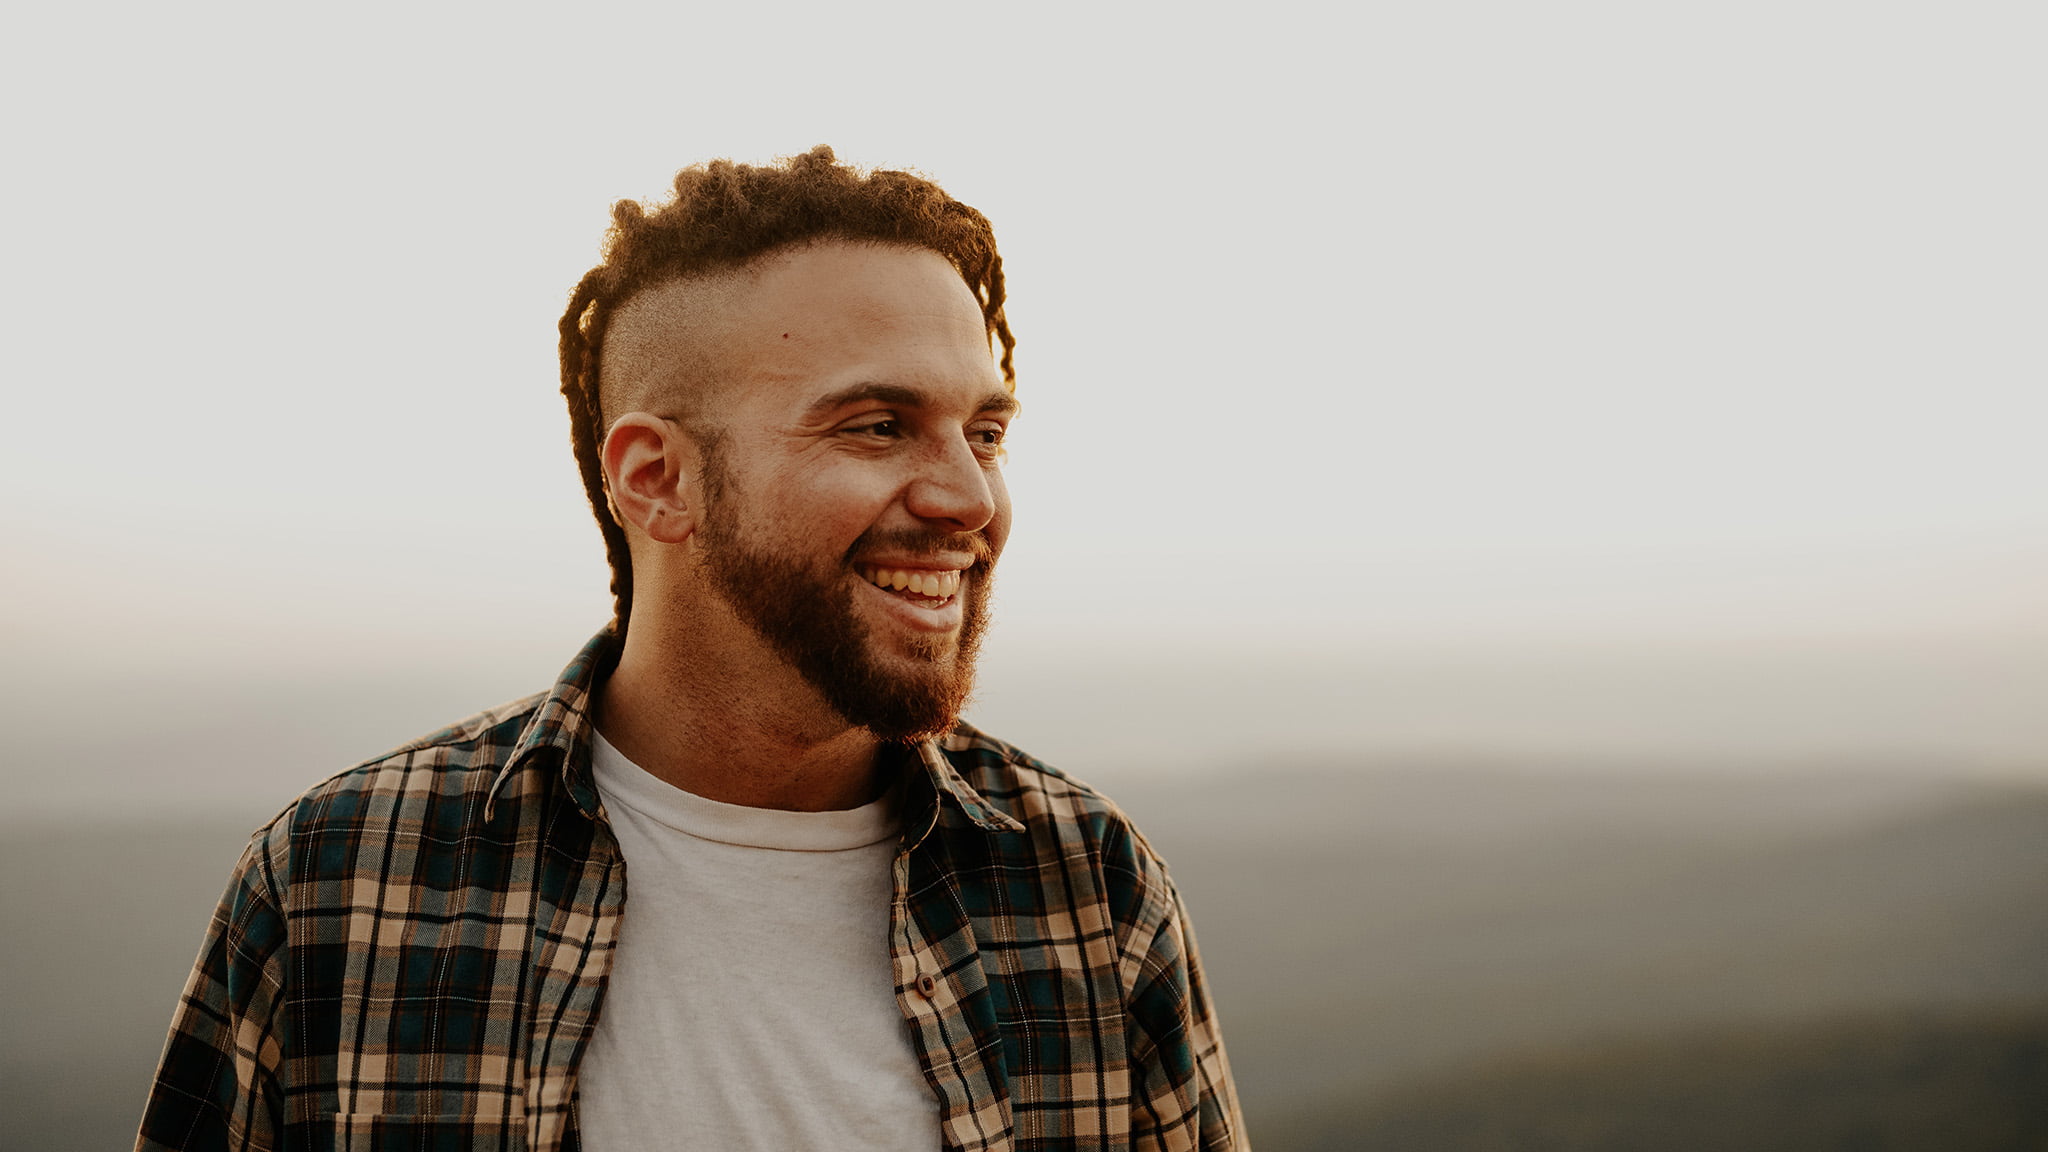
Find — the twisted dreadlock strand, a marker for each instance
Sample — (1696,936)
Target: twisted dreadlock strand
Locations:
(725,216)
(582,334)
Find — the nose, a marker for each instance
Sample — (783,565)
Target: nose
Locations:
(955,488)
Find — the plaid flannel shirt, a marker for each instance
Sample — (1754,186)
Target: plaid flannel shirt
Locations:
(414,953)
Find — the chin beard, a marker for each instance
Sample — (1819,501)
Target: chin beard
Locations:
(807,615)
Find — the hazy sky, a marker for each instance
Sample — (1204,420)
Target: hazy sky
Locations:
(1415,328)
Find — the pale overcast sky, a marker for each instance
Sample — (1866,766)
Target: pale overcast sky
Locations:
(1343,330)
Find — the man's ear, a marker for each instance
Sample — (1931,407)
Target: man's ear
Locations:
(650,474)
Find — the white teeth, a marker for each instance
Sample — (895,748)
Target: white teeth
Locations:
(922,582)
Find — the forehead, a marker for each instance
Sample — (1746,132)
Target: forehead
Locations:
(813,310)
(806,320)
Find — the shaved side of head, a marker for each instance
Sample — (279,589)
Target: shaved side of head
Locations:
(668,350)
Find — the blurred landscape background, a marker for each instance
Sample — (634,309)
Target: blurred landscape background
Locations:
(1538,511)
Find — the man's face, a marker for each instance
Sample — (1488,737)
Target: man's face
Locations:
(853,503)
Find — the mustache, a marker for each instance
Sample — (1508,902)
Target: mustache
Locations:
(915,543)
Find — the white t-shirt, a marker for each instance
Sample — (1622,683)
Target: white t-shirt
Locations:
(751,1002)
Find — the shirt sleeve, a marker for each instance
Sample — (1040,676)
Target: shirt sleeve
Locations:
(218,1086)
(1182,1096)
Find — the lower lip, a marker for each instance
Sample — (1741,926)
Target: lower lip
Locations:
(941,617)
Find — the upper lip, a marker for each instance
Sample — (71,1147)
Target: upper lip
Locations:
(920,564)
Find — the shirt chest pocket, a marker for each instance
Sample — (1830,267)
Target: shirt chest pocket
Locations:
(365,1133)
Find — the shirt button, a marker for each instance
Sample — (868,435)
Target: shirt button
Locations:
(927,987)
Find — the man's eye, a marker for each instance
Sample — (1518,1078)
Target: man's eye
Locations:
(992,437)
(885,429)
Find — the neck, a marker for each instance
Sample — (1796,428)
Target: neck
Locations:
(740,731)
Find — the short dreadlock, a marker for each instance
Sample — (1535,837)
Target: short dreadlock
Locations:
(726,215)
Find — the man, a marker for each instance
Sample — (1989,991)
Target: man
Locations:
(854,921)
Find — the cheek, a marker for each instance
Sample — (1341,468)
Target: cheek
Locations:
(833,503)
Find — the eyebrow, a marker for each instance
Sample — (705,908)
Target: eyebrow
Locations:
(999,403)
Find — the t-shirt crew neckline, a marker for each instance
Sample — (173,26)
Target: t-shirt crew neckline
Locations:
(620,781)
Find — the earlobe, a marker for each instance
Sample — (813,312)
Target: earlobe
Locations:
(649,477)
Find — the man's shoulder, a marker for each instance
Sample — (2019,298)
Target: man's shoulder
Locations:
(441,778)
(1059,811)
(1020,785)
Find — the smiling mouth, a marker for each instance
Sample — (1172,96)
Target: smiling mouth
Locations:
(930,588)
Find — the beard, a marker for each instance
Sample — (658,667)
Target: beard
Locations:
(805,611)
